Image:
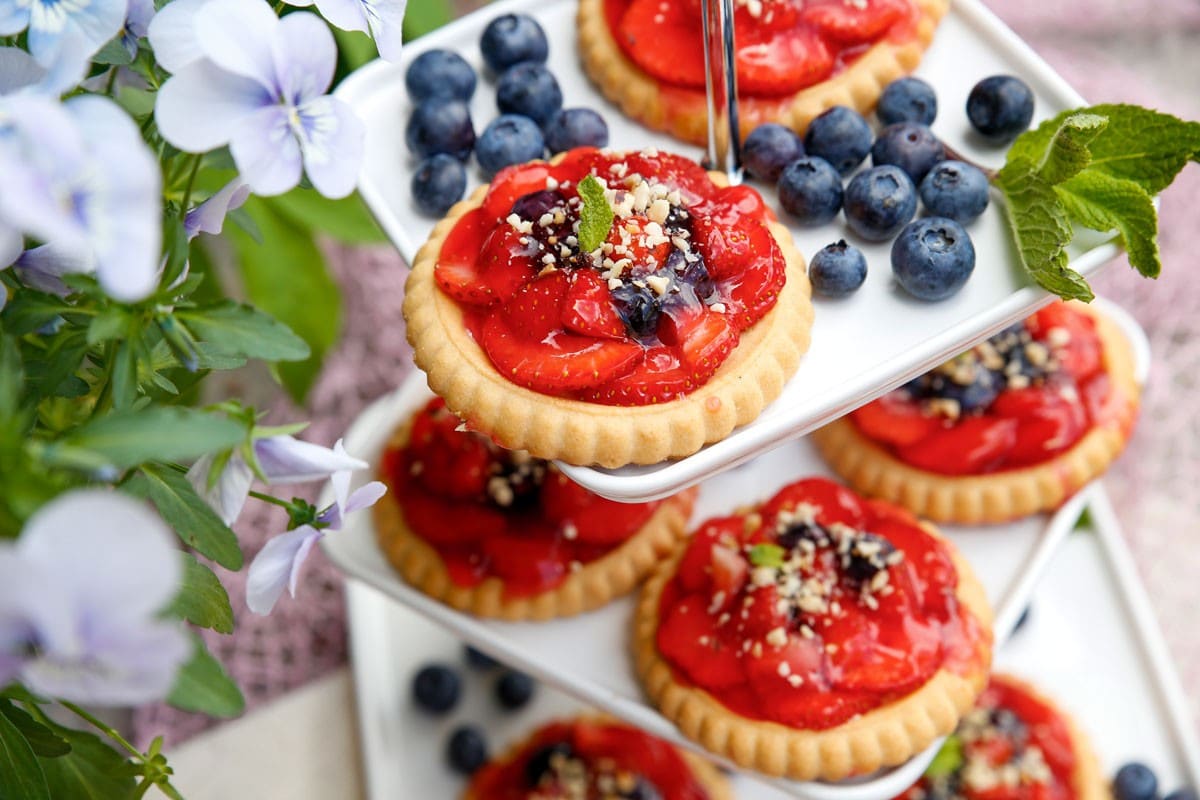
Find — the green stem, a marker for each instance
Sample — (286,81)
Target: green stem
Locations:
(275,501)
(112,81)
(187,192)
(103,728)
(104,399)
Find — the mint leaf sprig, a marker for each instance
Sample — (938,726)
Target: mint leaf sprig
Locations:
(595,216)
(1098,168)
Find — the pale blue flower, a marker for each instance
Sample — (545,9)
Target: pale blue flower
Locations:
(209,216)
(19,72)
(172,34)
(58,25)
(382,19)
(137,24)
(81,591)
(259,87)
(11,244)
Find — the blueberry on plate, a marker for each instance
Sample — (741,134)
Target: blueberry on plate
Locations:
(438,183)
(467,749)
(440,73)
(956,190)
(810,189)
(907,100)
(910,146)
(879,202)
(839,135)
(529,89)
(440,126)
(436,688)
(1135,781)
(477,659)
(1000,107)
(932,258)
(508,139)
(575,127)
(511,39)
(514,690)
(980,391)
(1183,793)
(837,269)
(769,148)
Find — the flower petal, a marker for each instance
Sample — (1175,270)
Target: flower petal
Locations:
(305,57)
(137,18)
(266,152)
(42,267)
(228,495)
(285,459)
(332,142)
(349,15)
(11,244)
(14,17)
(18,70)
(236,35)
(209,216)
(277,566)
(200,105)
(32,612)
(365,496)
(172,34)
(387,27)
(84,27)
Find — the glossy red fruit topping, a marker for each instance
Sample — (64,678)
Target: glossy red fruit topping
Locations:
(853,23)
(778,62)
(588,308)
(973,446)
(729,240)
(666,40)
(689,638)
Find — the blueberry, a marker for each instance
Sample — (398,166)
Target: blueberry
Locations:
(879,202)
(440,73)
(514,690)
(436,688)
(638,308)
(440,126)
(575,127)
(533,205)
(1000,107)
(837,269)
(540,762)
(467,750)
(1183,793)
(438,183)
(860,565)
(769,148)
(529,89)
(956,190)
(511,39)
(1135,781)
(477,659)
(980,392)
(910,146)
(840,136)
(811,190)
(508,139)
(932,258)
(692,272)
(907,100)
(642,790)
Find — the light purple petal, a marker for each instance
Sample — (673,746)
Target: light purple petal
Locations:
(277,566)
(364,497)
(285,459)
(305,56)
(236,35)
(209,216)
(11,244)
(332,142)
(266,151)
(43,267)
(340,480)
(387,26)
(137,18)
(14,17)
(198,108)
(172,34)
(228,495)
(85,27)
(32,612)
(349,15)
(18,70)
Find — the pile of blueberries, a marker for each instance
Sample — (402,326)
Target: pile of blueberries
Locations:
(1136,781)
(436,689)
(932,257)
(532,119)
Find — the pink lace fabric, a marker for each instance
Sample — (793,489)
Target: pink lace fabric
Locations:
(1106,52)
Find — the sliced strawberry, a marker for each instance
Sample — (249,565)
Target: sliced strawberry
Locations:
(695,568)
(531,563)
(973,446)
(729,571)
(536,310)
(760,614)
(658,378)
(834,502)
(445,523)
(669,169)
(746,263)
(595,520)
(1106,404)
(926,571)
(703,337)
(880,654)
(506,263)
(774,15)
(444,460)
(562,362)
(630,239)
(853,23)
(511,183)
(457,271)
(781,62)
(689,638)
(895,419)
(665,40)
(1049,422)
(808,704)
(1082,354)
(588,308)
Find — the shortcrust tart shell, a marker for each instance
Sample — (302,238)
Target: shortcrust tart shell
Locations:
(614,574)
(641,96)
(583,433)
(996,496)
(883,737)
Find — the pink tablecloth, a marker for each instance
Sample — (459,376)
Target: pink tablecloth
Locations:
(1111,50)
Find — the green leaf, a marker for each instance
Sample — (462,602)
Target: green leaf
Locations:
(113,52)
(767,555)
(126,439)
(1068,152)
(346,220)
(111,323)
(425,16)
(43,741)
(20,774)
(91,771)
(204,686)
(948,760)
(12,378)
(50,369)
(202,599)
(186,512)
(138,102)
(235,330)
(1101,202)
(29,310)
(596,215)
(124,376)
(286,277)
(175,245)
(356,48)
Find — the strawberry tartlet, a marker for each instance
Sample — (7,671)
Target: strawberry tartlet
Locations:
(1010,428)
(682,320)
(816,636)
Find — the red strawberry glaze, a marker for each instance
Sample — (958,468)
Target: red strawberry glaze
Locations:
(994,747)
(549,317)
(1024,425)
(608,751)
(529,532)
(860,621)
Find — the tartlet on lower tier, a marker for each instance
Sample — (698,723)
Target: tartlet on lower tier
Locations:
(961,482)
(697,367)
(815,636)
(856,78)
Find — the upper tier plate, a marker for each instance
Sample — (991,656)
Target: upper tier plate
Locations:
(862,346)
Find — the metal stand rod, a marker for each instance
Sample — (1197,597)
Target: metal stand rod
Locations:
(720,83)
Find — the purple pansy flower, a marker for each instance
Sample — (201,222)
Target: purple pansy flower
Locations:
(137,24)
(259,86)
(55,25)
(80,596)
(382,19)
(209,216)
